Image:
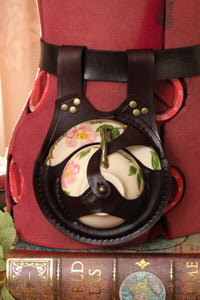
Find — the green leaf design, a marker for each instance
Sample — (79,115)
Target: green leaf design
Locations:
(155,161)
(5,294)
(114,133)
(107,126)
(84,153)
(132,171)
(139,179)
(68,193)
(140,173)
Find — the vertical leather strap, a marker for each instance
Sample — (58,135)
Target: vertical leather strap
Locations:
(141,79)
(69,70)
(140,72)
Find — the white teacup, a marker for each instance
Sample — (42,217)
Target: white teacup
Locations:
(123,171)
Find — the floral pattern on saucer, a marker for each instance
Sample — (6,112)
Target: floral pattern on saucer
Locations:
(81,135)
(69,175)
(123,171)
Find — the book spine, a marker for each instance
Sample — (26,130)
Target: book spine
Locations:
(61,275)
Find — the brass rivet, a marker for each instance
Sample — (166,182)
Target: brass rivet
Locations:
(136,112)
(73,109)
(64,107)
(133,104)
(77,101)
(144,111)
(102,189)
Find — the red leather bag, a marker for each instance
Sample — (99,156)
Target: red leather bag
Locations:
(58,108)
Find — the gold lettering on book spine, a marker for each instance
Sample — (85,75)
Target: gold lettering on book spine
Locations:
(77,277)
(26,272)
(192,282)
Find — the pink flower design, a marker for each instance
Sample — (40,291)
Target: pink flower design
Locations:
(81,135)
(69,174)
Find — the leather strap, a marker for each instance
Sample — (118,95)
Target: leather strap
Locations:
(69,70)
(113,65)
(141,81)
(140,73)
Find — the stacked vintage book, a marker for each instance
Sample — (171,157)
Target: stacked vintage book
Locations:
(160,269)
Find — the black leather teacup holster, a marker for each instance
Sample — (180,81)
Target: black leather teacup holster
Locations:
(101,197)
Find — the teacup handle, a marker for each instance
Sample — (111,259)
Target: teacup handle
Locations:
(104,134)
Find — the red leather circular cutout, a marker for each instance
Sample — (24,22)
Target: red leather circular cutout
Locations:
(178,190)
(169,97)
(16,182)
(40,91)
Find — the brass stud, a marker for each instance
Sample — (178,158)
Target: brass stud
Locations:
(77,101)
(73,109)
(64,107)
(136,112)
(133,104)
(144,111)
(102,189)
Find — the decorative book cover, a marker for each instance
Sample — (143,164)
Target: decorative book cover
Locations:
(118,276)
